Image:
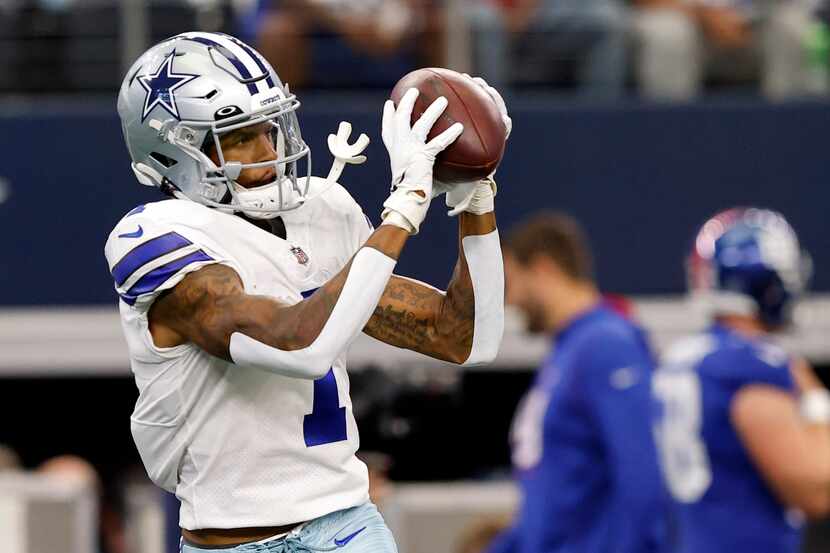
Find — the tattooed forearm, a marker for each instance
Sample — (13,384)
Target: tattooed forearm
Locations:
(415,316)
(405,315)
(409,293)
(399,326)
(457,318)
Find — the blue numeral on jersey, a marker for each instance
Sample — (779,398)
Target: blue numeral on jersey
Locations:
(327,421)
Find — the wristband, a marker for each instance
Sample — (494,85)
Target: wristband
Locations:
(814,406)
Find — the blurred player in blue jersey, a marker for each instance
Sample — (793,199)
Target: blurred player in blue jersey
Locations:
(744,438)
(582,442)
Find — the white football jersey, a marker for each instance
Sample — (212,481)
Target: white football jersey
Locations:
(240,447)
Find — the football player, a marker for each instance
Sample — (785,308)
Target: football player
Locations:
(744,436)
(240,294)
(582,445)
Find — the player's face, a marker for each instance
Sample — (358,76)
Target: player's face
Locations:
(252,144)
(520,282)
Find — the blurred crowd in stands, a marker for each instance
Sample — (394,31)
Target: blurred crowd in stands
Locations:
(671,50)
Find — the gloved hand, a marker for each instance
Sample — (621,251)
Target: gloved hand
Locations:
(498,100)
(412,158)
(475,197)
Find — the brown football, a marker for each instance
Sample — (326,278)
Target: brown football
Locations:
(478,151)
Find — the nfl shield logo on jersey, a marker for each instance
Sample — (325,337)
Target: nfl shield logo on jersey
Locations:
(302,257)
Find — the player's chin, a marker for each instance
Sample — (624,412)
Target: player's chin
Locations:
(258,180)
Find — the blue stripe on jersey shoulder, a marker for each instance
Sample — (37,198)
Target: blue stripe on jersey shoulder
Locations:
(158,276)
(308,293)
(145,253)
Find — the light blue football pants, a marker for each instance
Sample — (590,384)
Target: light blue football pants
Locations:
(357,530)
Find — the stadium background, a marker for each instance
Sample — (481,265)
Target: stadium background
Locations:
(641,175)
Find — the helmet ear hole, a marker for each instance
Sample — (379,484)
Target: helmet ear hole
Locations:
(166,161)
(208,144)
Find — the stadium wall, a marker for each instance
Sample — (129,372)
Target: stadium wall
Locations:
(640,177)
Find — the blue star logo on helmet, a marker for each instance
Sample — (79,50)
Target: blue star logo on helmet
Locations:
(161,85)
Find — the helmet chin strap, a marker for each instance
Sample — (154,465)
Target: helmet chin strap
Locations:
(255,202)
(268,200)
(244,202)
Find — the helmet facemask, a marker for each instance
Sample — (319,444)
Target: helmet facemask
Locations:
(219,186)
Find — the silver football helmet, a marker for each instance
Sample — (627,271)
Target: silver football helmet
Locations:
(182,95)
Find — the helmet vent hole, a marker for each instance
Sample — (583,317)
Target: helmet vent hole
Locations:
(211,94)
(168,162)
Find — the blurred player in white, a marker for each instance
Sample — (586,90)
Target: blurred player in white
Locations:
(744,434)
(241,293)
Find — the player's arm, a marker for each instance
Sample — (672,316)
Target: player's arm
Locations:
(788,438)
(465,324)
(210,308)
(445,326)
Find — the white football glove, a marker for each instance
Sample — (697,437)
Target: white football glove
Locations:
(411,159)
(498,100)
(475,197)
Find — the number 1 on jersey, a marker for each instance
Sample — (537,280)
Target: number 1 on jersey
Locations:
(327,421)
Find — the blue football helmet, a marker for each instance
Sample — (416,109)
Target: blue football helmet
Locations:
(748,261)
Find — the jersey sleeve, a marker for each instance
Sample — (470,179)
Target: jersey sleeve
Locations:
(359,226)
(363,228)
(764,363)
(147,255)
